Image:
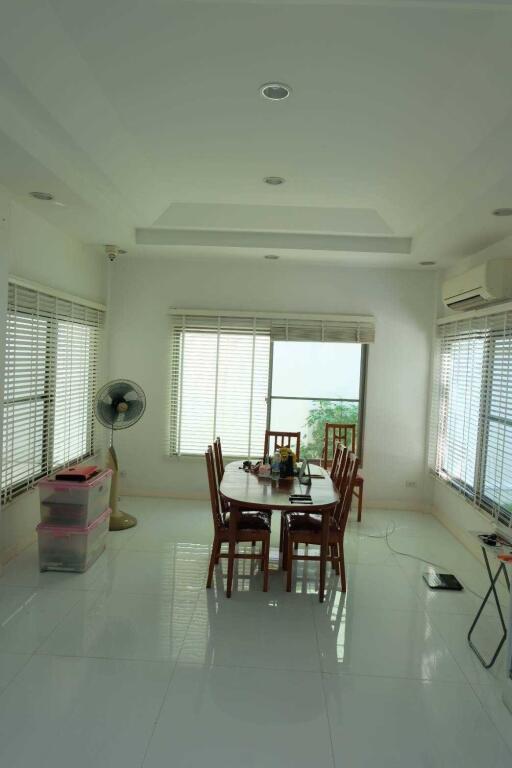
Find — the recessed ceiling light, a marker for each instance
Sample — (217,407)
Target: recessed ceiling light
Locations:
(502,212)
(42,195)
(271,256)
(427,263)
(274,181)
(275,91)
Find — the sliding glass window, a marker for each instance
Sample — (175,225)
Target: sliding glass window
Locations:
(235,375)
(312,383)
(52,354)
(473,411)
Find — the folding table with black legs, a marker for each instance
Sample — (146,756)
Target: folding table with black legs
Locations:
(494,551)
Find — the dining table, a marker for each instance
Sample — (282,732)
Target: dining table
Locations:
(247,490)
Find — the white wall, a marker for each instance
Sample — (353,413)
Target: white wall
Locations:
(40,252)
(403,303)
(33,249)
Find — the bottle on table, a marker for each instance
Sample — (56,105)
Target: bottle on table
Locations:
(276,464)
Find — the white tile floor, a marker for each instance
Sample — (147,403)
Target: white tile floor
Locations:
(135,664)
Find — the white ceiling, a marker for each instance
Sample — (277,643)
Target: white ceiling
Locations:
(144,118)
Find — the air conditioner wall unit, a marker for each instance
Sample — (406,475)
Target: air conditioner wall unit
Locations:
(489,282)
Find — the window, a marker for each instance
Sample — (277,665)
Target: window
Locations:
(51,363)
(219,383)
(473,409)
(220,372)
(314,383)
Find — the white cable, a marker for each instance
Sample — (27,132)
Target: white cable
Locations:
(390,529)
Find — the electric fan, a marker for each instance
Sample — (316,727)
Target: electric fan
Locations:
(119,405)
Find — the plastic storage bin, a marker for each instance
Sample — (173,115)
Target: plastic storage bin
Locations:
(72,503)
(71,549)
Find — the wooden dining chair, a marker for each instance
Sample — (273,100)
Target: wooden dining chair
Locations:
(337,472)
(338,460)
(346,434)
(275,439)
(219,467)
(304,528)
(334,433)
(219,472)
(219,460)
(252,526)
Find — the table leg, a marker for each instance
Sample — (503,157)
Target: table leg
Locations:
(234,513)
(326,517)
(492,590)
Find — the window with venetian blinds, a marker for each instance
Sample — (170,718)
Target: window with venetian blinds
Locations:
(472,449)
(52,354)
(220,366)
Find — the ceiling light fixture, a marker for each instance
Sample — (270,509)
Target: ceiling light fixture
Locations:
(274,181)
(427,263)
(275,91)
(41,195)
(271,256)
(502,212)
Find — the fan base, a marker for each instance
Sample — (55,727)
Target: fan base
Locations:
(121,521)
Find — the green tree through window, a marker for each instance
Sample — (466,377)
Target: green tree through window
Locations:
(326,411)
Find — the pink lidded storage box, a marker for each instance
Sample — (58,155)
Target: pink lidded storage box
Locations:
(72,503)
(71,549)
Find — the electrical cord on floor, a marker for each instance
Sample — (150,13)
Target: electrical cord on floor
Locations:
(390,529)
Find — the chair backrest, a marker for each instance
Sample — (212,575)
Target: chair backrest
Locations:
(337,433)
(275,438)
(219,460)
(346,491)
(214,491)
(335,460)
(339,465)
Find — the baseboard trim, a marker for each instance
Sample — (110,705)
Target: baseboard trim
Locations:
(145,494)
(400,506)
(9,553)
(405,506)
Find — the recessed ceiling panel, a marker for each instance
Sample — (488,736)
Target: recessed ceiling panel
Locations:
(277,218)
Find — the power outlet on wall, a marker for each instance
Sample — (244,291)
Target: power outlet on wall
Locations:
(410,483)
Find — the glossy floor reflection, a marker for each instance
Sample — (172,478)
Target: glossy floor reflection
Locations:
(135,664)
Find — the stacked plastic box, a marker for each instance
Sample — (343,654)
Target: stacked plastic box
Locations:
(74,522)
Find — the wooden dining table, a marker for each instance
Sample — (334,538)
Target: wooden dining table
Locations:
(251,491)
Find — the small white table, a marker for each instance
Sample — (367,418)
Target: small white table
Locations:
(491,551)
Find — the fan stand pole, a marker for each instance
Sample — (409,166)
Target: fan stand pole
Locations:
(119,520)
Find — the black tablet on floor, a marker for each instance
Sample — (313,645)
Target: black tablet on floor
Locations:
(436,580)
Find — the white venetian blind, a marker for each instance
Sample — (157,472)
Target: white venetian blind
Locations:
(220,372)
(473,410)
(219,383)
(52,354)
(359,330)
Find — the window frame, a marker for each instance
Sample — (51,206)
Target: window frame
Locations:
(93,375)
(176,385)
(19,487)
(278,326)
(11,491)
(486,503)
(475,494)
(465,488)
(361,400)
